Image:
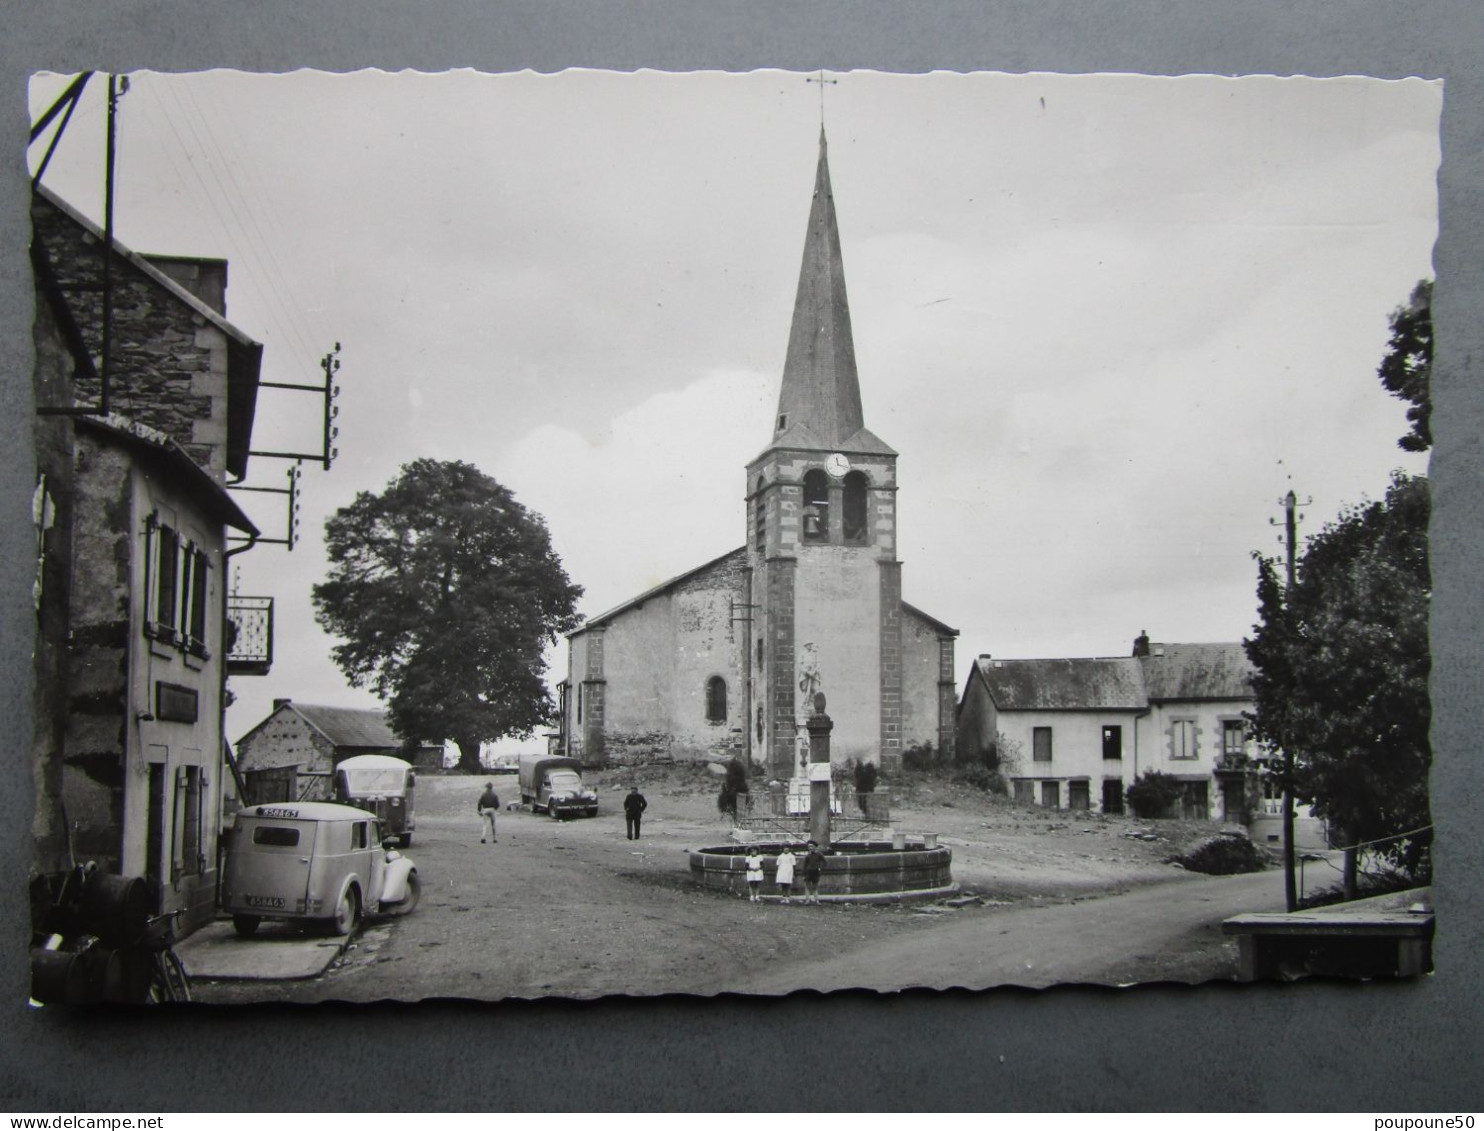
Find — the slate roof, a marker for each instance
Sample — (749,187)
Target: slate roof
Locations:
(1119,683)
(820,399)
(1109,684)
(349,726)
(1197,671)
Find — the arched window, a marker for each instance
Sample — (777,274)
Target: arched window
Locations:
(816,506)
(760,520)
(853,511)
(716,700)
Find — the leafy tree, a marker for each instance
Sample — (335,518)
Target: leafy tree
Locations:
(1406,370)
(1342,666)
(445,591)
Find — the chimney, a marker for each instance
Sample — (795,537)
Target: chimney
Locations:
(277,703)
(1141,643)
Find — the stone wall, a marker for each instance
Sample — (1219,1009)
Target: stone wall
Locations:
(658,659)
(52,514)
(285,739)
(98,704)
(168,360)
(924,717)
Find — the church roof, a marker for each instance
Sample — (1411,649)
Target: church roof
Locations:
(659,590)
(819,406)
(934,622)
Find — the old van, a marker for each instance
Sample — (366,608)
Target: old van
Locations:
(380,784)
(313,860)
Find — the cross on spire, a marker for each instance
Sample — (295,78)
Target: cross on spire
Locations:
(821,80)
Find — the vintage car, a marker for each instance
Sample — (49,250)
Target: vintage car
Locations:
(313,860)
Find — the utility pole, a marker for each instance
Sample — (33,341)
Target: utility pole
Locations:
(1290,888)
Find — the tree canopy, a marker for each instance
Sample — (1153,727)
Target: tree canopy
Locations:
(445,591)
(1406,370)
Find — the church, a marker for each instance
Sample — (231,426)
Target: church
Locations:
(725,660)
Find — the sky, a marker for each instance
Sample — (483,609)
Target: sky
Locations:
(1107,321)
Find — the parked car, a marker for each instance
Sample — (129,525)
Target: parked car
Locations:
(505,764)
(314,861)
(380,784)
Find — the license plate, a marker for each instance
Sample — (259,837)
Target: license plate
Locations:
(263,901)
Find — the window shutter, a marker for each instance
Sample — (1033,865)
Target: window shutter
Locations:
(167,588)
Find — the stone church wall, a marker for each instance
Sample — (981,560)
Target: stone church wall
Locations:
(658,660)
(921,664)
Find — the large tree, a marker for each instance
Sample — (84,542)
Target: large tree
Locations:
(445,591)
(1342,658)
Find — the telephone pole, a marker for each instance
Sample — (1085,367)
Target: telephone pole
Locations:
(1290,889)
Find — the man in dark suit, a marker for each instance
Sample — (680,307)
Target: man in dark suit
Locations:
(633,809)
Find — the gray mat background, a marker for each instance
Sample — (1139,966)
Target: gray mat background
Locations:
(1328,1047)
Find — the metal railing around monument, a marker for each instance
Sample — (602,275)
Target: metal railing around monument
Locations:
(783,814)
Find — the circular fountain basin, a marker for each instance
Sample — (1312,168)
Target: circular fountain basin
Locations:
(853,870)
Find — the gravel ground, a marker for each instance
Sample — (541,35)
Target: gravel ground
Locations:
(573,909)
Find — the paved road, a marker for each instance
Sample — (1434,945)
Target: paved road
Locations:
(573,909)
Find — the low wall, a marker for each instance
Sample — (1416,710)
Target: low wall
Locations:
(867,869)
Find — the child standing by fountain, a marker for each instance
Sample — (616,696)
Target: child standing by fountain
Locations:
(754,873)
(784,877)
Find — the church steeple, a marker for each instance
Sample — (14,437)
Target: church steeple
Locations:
(819,406)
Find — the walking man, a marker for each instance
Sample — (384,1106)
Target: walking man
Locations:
(489,805)
(633,810)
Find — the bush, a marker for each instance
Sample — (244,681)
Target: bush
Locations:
(918,759)
(734,784)
(1224,856)
(736,779)
(979,776)
(1153,794)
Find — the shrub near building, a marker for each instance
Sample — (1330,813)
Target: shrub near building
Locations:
(1153,795)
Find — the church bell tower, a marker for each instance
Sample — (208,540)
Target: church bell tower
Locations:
(824,580)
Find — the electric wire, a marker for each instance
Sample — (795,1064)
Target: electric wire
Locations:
(281,287)
(256,263)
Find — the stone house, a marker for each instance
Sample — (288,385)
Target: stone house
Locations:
(292,754)
(131,533)
(1079,731)
(724,660)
